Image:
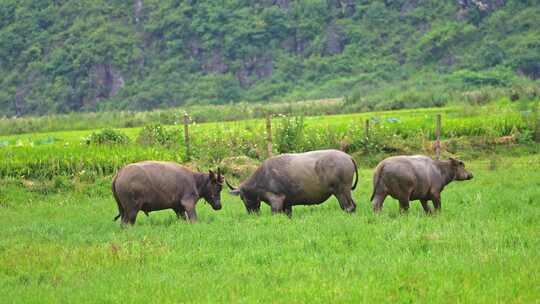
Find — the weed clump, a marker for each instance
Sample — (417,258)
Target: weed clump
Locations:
(156,134)
(290,134)
(107,137)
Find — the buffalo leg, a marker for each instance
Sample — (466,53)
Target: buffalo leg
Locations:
(403,205)
(425,206)
(189,208)
(348,195)
(191,215)
(288,209)
(129,217)
(180,213)
(277,202)
(378,201)
(437,202)
(345,201)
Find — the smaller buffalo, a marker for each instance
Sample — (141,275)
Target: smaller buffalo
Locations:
(300,179)
(155,185)
(418,177)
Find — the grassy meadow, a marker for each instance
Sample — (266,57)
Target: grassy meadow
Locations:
(169,116)
(59,244)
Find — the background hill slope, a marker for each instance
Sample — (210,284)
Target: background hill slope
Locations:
(63,56)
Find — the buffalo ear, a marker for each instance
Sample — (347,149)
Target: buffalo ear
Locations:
(212,175)
(235,192)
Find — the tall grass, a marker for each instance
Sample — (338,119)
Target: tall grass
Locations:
(49,161)
(200,114)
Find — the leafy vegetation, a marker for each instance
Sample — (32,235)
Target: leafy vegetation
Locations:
(156,134)
(65,56)
(106,137)
(197,113)
(289,135)
(469,131)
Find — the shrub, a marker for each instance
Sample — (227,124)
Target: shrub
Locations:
(494,78)
(156,134)
(477,97)
(289,134)
(435,43)
(107,137)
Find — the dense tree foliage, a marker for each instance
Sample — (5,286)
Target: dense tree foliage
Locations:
(66,55)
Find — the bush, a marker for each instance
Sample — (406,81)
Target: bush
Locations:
(290,134)
(156,134)
(477,97)
(107,137)
(436,43)
(494,78)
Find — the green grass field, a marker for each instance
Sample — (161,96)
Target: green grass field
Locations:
(459,120)
(58,244)
(471,129)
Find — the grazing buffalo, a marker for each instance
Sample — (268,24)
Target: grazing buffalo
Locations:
(156,185)
(418,177)
(300,179)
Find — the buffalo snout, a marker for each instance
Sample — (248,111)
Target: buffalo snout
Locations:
(216,206)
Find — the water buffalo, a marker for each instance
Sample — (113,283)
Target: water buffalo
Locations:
(416,177)
(300,179)
(156,185)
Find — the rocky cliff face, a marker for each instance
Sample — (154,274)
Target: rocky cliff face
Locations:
(482,6)
(105,82)
(253,69)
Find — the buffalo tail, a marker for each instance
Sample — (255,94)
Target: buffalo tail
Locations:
(120,209)
(356,171)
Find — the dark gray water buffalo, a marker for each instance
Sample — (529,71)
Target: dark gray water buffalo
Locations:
(300,179)
(418,177)
(156,185)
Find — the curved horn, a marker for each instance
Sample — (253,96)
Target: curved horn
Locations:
(219,176)
(229,185)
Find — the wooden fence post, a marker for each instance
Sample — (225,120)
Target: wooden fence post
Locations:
(269,135)
(438,136)
(186,136)
(366,134)
(366,129)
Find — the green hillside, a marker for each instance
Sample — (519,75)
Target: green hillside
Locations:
(65,55)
